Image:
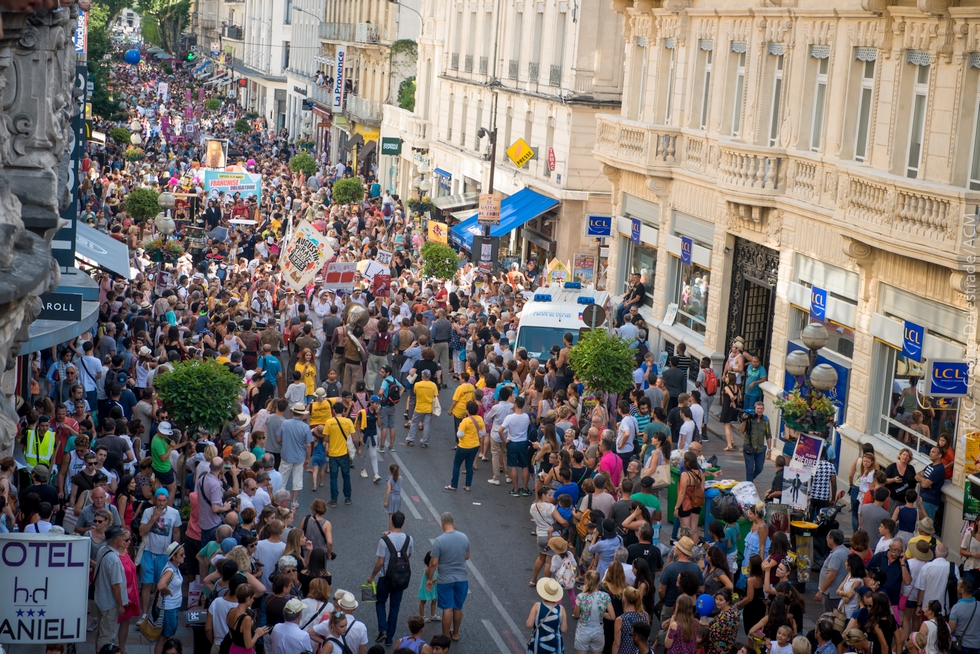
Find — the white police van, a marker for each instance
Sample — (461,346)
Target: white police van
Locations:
(554,311)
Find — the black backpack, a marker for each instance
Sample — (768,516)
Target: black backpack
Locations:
(394,394)
(399,573)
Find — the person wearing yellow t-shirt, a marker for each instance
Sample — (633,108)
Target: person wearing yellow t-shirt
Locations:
(426,393)
(320,411)
(464,393)
(338,428)
(224,354)
(470,433)
(307,368)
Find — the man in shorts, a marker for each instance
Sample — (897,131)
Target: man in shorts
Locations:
(450,552)
(159,526)
(161,446)
(514,431)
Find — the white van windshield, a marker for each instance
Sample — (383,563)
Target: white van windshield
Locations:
(539,340)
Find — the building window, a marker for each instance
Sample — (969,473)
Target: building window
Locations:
(905,414)
(920,94)
(708,56)
(975,158)
(285,55)
(449,119)
(822,55)
(739,90)
(690,292)
(462,124)
(841,340)
(638,84)
(643,260)
(515,58)
(864,111)
(671,59)
(479,124)
(777,95)
(457,38)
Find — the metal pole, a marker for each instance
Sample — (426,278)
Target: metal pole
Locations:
(493,166)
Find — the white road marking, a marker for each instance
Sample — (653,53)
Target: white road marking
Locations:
(511,624)
(495,636)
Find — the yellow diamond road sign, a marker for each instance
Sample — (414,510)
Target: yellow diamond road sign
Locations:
(520,153)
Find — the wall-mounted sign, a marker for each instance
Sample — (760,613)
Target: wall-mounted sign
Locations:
(61,306)
(635,230)
(599,225)
(948,379)
(687,247)
(392,146)
(551,159)
(419,160)
(520,153)
(912,340)
(818,304)
(339,78)
(300,90)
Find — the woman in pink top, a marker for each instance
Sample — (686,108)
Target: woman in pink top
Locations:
(133,593)
(192,539)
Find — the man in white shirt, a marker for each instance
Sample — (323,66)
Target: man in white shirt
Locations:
(269,551)
(261,499)
(697,414)
(513,430)
(626,432)
(216,626)
(249,488)
(495,417)
(931,582)
(89,372)
(288,637)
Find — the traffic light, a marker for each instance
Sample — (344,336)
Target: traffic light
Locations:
(242,81)
(191,56)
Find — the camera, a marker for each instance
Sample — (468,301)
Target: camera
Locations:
(744,416)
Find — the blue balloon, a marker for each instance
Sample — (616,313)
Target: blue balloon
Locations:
(705,605)
(132,56)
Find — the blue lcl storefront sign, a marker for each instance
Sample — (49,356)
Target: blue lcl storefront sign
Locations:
(912,336)
(818,304)
(948,379)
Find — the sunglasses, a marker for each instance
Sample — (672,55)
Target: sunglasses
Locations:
(90,463)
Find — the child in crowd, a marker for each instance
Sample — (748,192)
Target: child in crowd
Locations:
(427,595)
(414,642)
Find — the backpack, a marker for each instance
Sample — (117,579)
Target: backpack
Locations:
(567,571)
(697,497)
(381,343)
(710,381)
(394,393)
(409,643)
(342,642)
(583,522)
(399,573)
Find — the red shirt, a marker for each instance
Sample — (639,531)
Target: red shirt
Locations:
(441,296)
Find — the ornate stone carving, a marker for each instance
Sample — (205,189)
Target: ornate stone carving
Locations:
(875,6)
(750,221)
(934,7)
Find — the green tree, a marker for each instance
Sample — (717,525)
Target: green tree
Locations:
(603,362)
(439,261)
(242,126)
(171,17)
(101,16)
(120,135)
(348,191)
(141,205)
(212,104)
(199,394)
(406,94)
(303,162)
(150,31)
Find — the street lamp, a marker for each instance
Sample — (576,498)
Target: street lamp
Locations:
(135,139)
(818,378)
(414,11)
(165,224)
(167,200)
(136,127)
(492,134)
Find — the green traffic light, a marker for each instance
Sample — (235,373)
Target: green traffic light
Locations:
(191,56)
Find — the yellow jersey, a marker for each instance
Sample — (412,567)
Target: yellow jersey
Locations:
(337,430)
(425,393)
(463,394)
(320,412)
(471,427)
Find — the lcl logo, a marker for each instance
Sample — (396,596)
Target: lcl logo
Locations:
(818,300)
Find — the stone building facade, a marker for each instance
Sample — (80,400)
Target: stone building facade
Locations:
(40,96)
(780,148)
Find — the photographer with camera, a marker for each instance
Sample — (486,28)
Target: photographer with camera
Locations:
(758,438)
(159,526)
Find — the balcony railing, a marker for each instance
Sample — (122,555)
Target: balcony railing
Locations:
(367,33)
(903,215)
(454,61)
(484,65)
(336,31)
(468,64)
(411,128)
(232,32)
(322,95)
(368,111)
(554,78)
(532,71)
(513,68)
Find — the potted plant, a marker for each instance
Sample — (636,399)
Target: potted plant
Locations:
(810,415)
(134,154)
(421,205)
(161,251)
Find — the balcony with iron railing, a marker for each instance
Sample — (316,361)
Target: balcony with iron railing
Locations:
(367,33)
(406,125)
(343,32)
(364,111)
(898,214)
(532,71)
(233,32)
(322,95)
(554,78)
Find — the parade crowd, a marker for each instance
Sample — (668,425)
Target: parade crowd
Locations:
(334,380)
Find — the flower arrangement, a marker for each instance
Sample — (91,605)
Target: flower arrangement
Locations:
(134,154)
(421,205)
(305,144)
(162,251)
(801,414)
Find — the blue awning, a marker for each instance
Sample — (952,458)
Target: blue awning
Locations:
(515,210)
(440,171)
(200,68)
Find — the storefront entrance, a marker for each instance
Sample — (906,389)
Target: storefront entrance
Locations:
(755,269)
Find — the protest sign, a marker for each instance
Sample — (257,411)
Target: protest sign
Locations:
(43,588)
(384,257)
(340,275)
(246,184)
(304,256)
(382,285)
(796,475)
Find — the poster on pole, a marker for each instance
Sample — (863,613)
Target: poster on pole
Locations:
(43,588)
(369,269)
(583,268)
(304,256)
(796,475)
(489,208)
(340,275)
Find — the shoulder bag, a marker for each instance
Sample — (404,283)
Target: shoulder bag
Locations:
(957,646)
(351,448)
(661,476)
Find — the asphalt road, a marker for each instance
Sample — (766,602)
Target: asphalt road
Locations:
(502,549)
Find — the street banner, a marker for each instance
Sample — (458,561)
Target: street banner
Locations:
(384,257)
(583,268)
(489,208)
(340,275)
(200,95)
(163,88)
(796,475)
(304,256)
(247,184)
(187,94)
(340,77)
(382,285)
(438,232)
(43,588)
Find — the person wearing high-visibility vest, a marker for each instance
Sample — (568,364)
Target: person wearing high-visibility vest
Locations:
(38,442)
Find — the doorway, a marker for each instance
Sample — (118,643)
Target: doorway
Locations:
(752,302)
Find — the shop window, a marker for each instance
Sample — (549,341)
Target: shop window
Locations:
(841,340)
(643,259)
(690,292)
(905,414)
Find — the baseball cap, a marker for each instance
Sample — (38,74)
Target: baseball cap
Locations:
(375,398)
(42,472)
